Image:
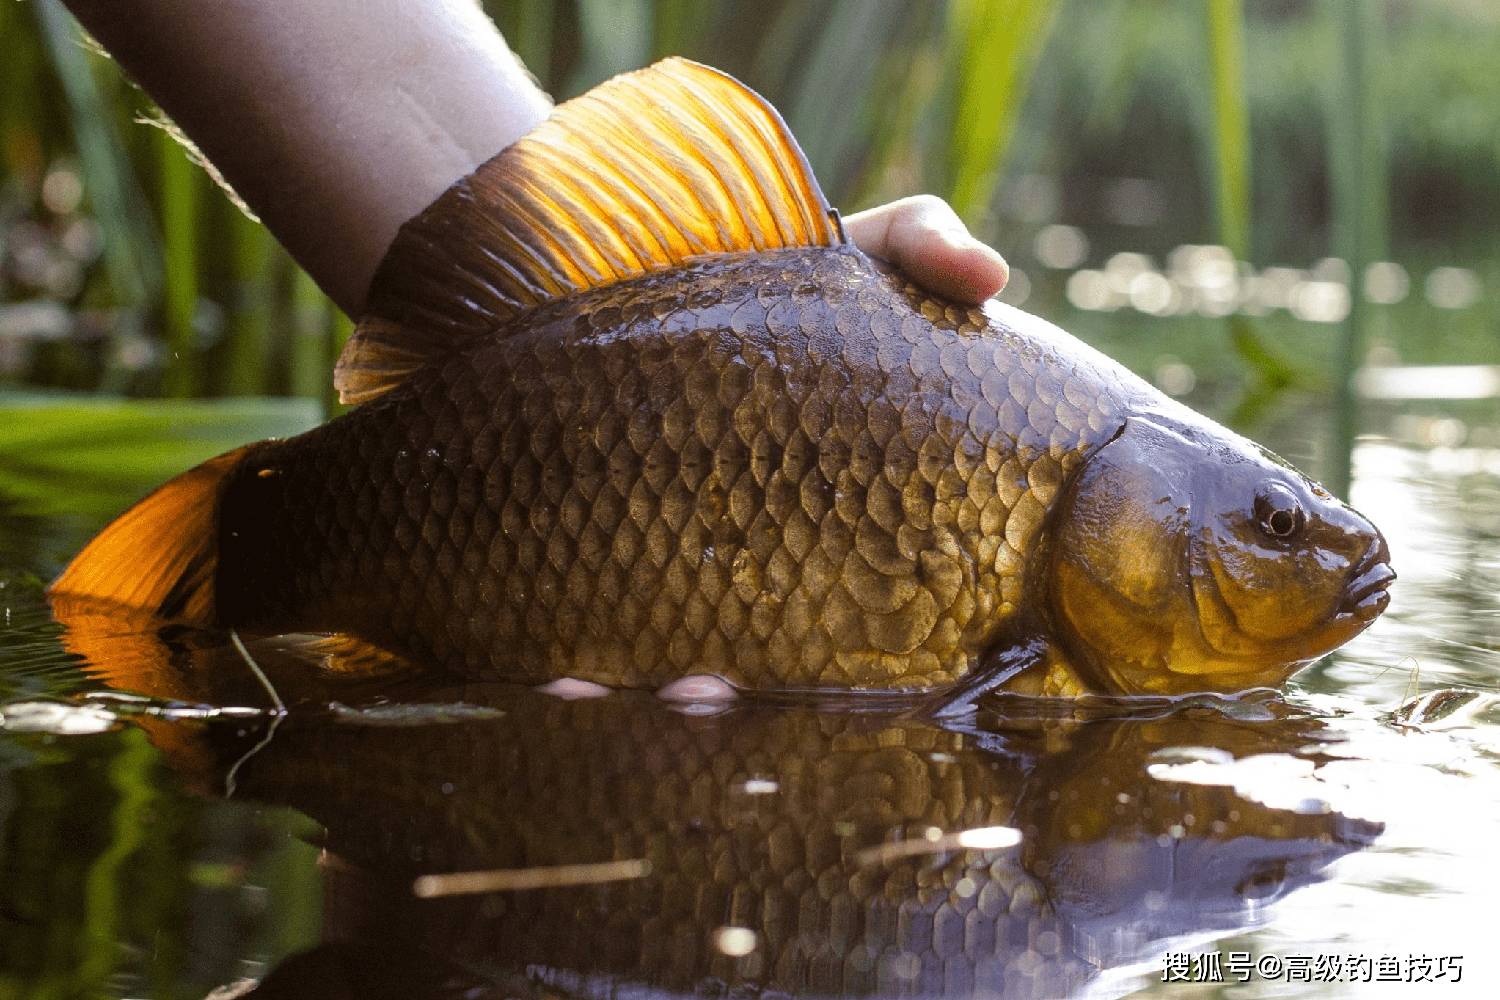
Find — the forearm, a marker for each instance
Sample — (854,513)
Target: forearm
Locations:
(335,120)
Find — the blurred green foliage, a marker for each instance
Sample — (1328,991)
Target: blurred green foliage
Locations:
(68,455)
(1146,124)
(119,884)
(1285,130)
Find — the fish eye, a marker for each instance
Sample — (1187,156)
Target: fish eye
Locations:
(1278,512)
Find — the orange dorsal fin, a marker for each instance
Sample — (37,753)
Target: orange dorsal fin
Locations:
(161,555)
(640,174)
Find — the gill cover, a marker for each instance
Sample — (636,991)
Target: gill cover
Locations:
(1188,559)
(645,171)
(1120,555)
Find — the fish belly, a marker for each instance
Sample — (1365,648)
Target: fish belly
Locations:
(792,469)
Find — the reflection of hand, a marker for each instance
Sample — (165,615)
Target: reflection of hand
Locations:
(925,238)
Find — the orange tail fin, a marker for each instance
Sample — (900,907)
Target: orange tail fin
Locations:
(161,555)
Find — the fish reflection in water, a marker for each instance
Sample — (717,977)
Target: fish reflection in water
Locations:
(762,849)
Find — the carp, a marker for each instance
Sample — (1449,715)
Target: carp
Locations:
(631,408)
(600,848)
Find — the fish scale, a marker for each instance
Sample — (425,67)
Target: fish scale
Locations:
(810,831)
(706,435)
(626,487)
(672,791)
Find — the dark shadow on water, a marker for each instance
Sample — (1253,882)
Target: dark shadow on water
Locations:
(757,850)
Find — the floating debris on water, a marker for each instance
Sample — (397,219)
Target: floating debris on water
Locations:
(540,877)
(417,714)
(126,704)
(1450,708)
(58,718)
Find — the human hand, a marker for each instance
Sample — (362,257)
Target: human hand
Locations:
(925,238)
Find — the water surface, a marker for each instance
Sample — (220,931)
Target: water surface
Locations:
(480,840)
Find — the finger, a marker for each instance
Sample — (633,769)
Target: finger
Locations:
(925,238)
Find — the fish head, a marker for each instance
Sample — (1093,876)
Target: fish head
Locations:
(1186,558)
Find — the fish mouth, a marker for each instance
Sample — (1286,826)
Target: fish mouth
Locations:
(1368,594)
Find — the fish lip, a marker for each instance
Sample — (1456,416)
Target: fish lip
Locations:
(1367,593)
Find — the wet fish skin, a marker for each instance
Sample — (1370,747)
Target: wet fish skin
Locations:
(633,409)
(791,469)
